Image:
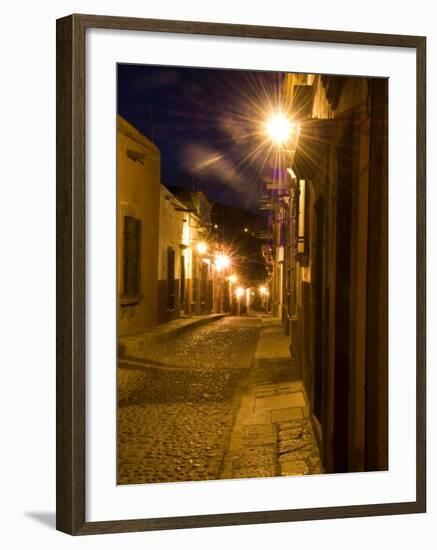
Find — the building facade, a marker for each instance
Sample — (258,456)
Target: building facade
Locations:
(330,261)
(162,272)
(138,212)
(184,273)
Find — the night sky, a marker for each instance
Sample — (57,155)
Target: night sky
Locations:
(206,123)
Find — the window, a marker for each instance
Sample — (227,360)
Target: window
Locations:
(131,257)
(195,279)
(302,255)
(301,218)
(170,278)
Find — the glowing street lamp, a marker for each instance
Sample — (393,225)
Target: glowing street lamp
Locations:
(264,291)
(239,292)
(222,262)
(202,248)
(232,280)
(279,127)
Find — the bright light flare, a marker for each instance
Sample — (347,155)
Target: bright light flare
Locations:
(202,248)
(232,278)
(279,127)
(222,261)
(239,292)
(263,290)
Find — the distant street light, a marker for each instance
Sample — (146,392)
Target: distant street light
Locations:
(264,291)
(202,248)
(222,262)
(239,294)
(279,127)
(232,280)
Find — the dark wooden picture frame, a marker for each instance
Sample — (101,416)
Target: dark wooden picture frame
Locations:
(71,283)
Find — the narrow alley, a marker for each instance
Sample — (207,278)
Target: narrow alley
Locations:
(251,274)
(218,401)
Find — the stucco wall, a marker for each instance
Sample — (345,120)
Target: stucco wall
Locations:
(138,196)
(170,235)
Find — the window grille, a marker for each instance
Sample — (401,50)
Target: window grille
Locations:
(170,278)
(131,256)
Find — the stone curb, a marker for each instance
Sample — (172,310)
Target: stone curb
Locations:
(130,345)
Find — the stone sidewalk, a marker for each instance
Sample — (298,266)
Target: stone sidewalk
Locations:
(130,346)
(272,435)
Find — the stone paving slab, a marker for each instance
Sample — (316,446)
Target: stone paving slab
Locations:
(292,413)
(284,401)
(254,472)
(251,430)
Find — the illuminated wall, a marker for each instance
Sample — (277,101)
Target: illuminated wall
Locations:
(138,181)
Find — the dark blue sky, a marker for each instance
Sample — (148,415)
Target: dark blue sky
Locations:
(206,123)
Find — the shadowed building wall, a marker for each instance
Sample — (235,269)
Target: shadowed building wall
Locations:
(336,263)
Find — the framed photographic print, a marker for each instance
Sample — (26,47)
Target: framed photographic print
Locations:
(240,274)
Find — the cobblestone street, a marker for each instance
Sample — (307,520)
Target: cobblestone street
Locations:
(252,277)
(223,400)
(178,401)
